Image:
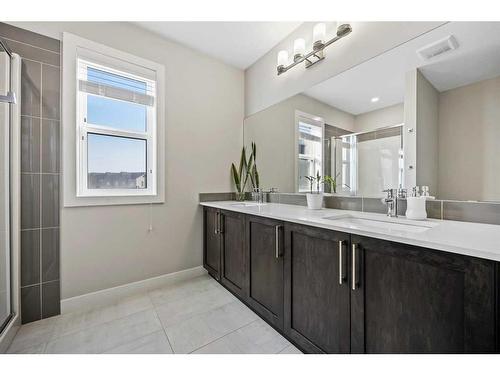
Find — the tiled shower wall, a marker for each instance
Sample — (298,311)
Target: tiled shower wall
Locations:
(40,161)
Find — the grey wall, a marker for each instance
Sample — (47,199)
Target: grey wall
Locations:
(427,134)
(469,142)
(40,160)
(103,247)
(388,116)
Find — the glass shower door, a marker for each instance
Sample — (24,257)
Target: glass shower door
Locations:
(5,298)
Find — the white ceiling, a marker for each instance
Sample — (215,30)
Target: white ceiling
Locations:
(477,58)
(236,43)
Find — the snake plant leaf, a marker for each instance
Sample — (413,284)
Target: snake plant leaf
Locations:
(248,166)
(243,161)
(236,177)
(256,176)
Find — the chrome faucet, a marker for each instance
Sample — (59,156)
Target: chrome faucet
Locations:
(260,196)
(392,200)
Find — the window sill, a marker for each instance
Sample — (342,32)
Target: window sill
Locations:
(112,201)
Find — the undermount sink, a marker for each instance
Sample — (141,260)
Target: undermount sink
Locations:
(388,225)
(248,204)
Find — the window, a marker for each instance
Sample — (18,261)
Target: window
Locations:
(113,139)
(116,123)
(309,150)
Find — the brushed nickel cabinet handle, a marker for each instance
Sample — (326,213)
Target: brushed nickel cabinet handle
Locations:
(216,224)
(354,266)
(221,223)
(341,263)
(277,241)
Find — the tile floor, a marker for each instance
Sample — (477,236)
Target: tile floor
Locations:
(195,316)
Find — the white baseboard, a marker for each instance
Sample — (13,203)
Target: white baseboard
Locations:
(105,296)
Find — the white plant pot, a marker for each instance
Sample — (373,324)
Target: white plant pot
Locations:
(314,201)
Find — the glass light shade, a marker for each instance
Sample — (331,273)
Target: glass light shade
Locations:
(283,58)
(319,33)
(299,47)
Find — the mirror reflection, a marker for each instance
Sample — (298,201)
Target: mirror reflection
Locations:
(423,114)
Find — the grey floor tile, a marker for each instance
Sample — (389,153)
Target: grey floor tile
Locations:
(256,338)
(81,320)
(107,336)
(32,334)
(183,289)
(204,328)
(35,349)
(196,314)
(180,309)
(154,343)
(290,349)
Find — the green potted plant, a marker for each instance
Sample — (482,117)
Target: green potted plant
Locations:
(314,198)
(246,170)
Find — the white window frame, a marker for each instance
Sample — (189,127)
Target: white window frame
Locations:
(312,120)
(84,127)
(74,176)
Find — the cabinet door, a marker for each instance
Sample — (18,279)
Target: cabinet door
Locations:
(406,299)
(211,242)
(316,289)
(233,252)
(265,268)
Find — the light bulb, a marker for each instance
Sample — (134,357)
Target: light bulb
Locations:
(319,34)
(299,47)
(283,58)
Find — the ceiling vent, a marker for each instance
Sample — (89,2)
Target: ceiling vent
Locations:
(438,48)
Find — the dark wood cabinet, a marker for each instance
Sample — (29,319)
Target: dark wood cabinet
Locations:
(233,255)
(406,299)
(333,292)
(211,241)
(264,239)
(317,303)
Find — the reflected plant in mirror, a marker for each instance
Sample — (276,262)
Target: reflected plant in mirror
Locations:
(332,183)
(312,180)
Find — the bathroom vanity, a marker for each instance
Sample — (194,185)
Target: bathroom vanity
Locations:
(337,281)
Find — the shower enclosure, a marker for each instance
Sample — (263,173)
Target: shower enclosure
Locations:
(9,236)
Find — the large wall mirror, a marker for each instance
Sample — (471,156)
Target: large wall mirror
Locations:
(424,113)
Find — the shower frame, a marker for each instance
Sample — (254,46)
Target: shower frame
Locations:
(11,325)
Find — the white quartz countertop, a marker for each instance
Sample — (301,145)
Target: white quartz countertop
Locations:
(473,239)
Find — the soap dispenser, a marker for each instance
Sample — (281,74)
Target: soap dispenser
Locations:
(415,205)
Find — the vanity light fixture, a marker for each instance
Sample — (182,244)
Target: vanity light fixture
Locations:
(319,44)
(375,99)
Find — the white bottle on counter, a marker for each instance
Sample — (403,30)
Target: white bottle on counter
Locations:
(415,208)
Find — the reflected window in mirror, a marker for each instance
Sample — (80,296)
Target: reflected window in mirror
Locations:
(309,148)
